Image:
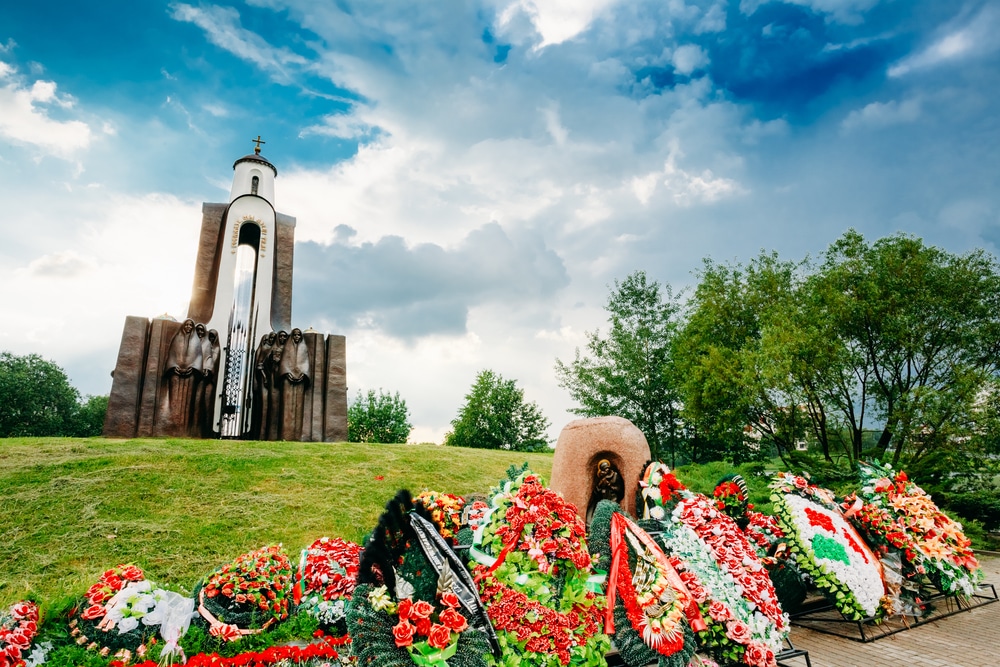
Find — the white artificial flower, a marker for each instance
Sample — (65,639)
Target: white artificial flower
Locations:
(128,624)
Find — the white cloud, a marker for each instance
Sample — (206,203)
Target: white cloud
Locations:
(882,114)
(122,255)
(25,119)
(965,37)
(688,58)
(714,20)
(222,27)
(556,21)
(342,126)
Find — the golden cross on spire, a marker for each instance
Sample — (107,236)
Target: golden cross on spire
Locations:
(258,141)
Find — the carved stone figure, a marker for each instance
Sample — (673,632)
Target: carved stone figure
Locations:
(262,386)
(274,395)
(294,375)
(583,446)
(181,373)
(198,396)
(211,354)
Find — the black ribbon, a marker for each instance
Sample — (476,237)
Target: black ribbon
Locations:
(439,555)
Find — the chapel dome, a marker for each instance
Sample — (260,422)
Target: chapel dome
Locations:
(259,159)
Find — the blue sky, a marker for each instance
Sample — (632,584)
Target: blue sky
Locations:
(470,177)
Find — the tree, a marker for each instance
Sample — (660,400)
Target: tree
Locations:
(893,335)
(726,402)
(89,418)
(631,373)
(495,416)
(380,417)
(36,398)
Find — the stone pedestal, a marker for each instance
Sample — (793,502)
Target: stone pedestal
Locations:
(583,444)
(135,407)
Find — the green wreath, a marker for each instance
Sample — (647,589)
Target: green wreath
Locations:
(414,603)
(633,649)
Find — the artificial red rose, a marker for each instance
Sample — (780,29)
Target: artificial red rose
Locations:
(758,655)
(453,620)
(113,580)
(404,610)
(93,612)
(449,599)
(403,633)
(422,609)
(719,612)
(738,631)
(799,482)
(132,573)
(423,626)
(439,637)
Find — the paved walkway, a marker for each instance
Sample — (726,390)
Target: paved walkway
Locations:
(968,639)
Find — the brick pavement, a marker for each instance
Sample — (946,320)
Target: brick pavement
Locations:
(968,639)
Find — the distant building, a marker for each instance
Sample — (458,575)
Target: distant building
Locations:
(235,368)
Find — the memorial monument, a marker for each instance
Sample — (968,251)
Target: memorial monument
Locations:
(203,377)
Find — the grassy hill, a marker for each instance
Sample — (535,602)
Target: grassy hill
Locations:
(70,508)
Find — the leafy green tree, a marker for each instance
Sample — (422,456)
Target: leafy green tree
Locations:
(630,372)
(893,336)
(89,418)
(36,398)
(726,402)
(380,417)
(496,416)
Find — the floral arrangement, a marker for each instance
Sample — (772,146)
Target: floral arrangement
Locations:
(744,621)
(932,542)
(322,654)
(828,549)
(253,590)
(446,511)
(325,580)
(733,498)
(430,632)
(108,618)
(407,609)
(534,574)
(18,629)
(649,601)
(659,491)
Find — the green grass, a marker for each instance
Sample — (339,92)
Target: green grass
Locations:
(70,508)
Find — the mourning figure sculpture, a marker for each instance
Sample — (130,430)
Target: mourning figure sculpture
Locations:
(261,385)
(274,393)
(198,396)
(608,485)
(211,354)
(293,372)
(181,374)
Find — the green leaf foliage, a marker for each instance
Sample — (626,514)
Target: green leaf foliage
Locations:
(630,372)
(496,416)
(378,417)
(36,399)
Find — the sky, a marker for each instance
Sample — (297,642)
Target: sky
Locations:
(471,178)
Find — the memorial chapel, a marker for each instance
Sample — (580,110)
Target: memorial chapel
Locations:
(235,367)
